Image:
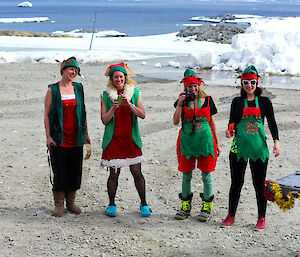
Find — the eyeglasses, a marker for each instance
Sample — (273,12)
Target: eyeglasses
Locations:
(246,82)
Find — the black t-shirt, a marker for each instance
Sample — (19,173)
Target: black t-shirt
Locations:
(266,110)
(213,109)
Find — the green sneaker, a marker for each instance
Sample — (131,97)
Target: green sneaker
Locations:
(186,207)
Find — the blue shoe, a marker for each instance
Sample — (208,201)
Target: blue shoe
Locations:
(145,211)
(111,211)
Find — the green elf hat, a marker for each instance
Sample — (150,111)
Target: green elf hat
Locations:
(189,72)
(111,69)
(70,62)
(190,77)
(250,73)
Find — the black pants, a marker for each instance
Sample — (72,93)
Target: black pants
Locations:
(67,168)
(258,171)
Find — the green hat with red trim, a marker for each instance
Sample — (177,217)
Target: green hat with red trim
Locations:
(190,77)
(250,73)
(111,69)
(117,67)
(70,62)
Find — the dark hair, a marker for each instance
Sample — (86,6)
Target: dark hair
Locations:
(257,92)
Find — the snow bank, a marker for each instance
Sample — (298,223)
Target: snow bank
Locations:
(25,49)
(81,33)
(273,46)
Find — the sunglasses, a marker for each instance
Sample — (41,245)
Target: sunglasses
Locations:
(246,82)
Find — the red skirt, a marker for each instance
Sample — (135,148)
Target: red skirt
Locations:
(122,151)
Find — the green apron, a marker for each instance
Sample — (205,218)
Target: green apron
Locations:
(199,142)
(250,138)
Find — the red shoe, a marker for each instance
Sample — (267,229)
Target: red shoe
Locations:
(228,221)
(261,223)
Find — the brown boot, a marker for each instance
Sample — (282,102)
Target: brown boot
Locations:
(70,199)
(59,197)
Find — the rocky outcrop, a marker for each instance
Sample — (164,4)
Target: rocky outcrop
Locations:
(212,33)
(19,33)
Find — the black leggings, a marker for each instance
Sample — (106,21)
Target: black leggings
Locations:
(237,170)
(139,181)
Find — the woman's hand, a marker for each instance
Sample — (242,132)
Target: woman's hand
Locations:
(87,139)
(276,148)
(49,142)
(218,149)
(230,131)
(229,134)
(181,98)
(127,102)
(115,104)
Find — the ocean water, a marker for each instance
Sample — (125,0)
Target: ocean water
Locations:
(133,17)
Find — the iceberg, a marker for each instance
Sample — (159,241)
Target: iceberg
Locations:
(24,20)
(25,4)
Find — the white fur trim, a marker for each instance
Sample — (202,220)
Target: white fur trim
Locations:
(128,92)
(118,163)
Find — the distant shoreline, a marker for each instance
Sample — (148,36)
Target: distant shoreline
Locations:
(21,33)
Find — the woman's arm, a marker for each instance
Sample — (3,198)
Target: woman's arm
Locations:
(234,117)
(47,107)
(178,110)
(107,115)
(272,126)
(138,110)
(213,126)
(87,137)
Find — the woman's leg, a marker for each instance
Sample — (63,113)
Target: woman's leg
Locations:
(207,197)
(207,185)
(237,170)
(258,171)
(112,184)
(74,163)
(139,181)
(186,184)
(186,196)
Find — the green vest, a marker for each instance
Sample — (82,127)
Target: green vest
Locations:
(110,126)
(56,114)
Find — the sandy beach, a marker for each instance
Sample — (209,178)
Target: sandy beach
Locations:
(29,229)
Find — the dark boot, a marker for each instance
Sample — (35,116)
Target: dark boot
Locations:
(70,200)
(207,207)
(186,207)
(59,197)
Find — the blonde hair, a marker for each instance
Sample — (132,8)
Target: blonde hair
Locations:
(62,66)
(128,81)
(201,93)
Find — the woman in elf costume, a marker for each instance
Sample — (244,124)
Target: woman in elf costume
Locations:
(121,105)
(246,124)
(66,132)
(197,140)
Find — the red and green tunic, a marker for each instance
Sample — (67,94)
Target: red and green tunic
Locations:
(121,141)
(196,139)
